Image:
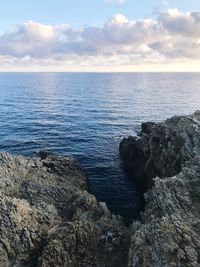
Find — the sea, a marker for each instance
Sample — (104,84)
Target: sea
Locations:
(86,115)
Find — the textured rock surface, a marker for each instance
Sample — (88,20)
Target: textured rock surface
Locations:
(47,217)
(162,148)
(168,234)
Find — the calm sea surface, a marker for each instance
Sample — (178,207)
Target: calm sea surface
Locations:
(86,115)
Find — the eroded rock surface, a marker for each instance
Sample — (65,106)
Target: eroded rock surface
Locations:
(166,158)
(47,217)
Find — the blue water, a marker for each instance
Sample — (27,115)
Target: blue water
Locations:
(87,115)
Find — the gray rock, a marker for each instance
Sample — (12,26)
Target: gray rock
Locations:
(168,234)
(48,218)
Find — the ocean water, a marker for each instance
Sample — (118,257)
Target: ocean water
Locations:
(87,115)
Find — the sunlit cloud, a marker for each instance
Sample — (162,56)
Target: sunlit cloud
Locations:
(172,38)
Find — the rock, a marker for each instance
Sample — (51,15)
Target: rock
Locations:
(134,160)
(48,218)
(147,127)
(162,149)
(168,234)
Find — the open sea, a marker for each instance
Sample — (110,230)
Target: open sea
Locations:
(87,115)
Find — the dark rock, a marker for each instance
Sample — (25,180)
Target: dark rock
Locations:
(147,127)
(159,151)
(44,154)
(134,160)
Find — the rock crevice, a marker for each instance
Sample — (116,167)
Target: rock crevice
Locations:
(48,218)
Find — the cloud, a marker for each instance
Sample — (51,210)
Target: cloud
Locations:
(179,23)
(116,2)
(173,37)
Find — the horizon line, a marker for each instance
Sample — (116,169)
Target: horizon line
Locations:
(103,72)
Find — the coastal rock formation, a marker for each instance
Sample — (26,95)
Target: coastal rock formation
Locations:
(48,218)
(165,161)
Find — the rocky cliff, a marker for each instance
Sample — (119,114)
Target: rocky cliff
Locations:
(48,218)
(165,162)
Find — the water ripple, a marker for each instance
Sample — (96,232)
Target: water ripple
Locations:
(86,115)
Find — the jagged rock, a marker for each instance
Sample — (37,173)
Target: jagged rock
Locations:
(48,218)
(168,234)
(162,149)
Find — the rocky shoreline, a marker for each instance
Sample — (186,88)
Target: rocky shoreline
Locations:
(165,161)
(49,219)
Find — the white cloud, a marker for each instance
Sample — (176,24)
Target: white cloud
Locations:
(173,37)
(116,2)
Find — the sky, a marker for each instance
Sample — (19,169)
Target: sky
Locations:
(100,35)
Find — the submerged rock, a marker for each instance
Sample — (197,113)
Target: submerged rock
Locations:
(47,217)
(165,161)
